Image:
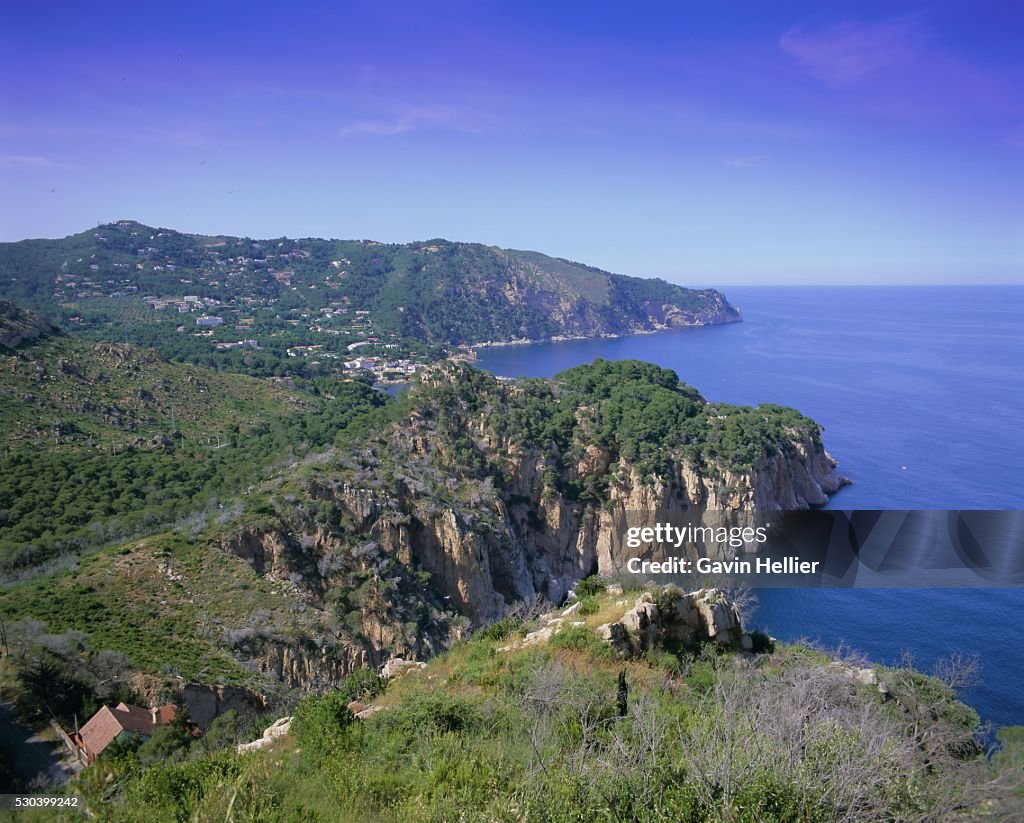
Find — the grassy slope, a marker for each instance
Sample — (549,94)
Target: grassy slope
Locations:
(532,734)
(165,602)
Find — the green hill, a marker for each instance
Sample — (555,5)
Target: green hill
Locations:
(104,441)
(436,290)
(381,527)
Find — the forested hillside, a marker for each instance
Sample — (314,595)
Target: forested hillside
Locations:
(436,291)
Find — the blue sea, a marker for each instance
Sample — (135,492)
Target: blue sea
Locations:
(920,391)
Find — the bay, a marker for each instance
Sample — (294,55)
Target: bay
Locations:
(920,391)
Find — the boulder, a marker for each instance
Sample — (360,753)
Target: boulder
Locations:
(616,636)
(279,728)
(397,666)
(644,621)
(718,617)
(539,636)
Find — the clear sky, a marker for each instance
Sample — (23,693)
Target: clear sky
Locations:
(704,142)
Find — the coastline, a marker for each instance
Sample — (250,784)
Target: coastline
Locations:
(568,338)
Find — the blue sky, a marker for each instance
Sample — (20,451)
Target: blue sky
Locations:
(707,143)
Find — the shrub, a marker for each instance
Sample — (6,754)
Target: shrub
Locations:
(667,661)
(762,643)
(319,722)
(503,628)
(435,712)
(582,639)
(589,587)
(362,684)
(702,677)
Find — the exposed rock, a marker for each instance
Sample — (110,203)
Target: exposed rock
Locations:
(701,615)
(718,617)
(539,636)
(279,728)
(397,667)
(616,636)
(866,676)
(435,554)
(204,702)
(17,326)
(298,665)
(643,622)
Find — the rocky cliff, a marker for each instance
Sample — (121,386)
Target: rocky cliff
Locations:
(460,510)
(17,326)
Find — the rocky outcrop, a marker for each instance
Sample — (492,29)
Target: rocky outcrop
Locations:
(675,616)
(204,702)
(397,667)
(279,728)
(17,326)
(297,666)
(400,548)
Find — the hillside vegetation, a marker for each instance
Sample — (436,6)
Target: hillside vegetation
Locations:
(105,441)
(437,290)
(566,730)
(307,546)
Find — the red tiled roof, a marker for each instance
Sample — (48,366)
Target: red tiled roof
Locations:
(104,726)
(165,714)
(98,733)
(134,718)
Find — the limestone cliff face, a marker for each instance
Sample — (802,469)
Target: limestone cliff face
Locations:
(399,550)
(580,301)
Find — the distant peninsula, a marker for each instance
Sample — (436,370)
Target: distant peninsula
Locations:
(436,291)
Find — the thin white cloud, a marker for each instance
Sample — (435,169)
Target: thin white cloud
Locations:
(29,161)
(848,52)
(746,162)
(414,118)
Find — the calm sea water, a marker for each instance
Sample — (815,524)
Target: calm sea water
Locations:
(920,391)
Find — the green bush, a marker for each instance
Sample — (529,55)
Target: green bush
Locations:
(362,684)
(583,639)
(702,677)
(320,722)
(667,661)
(589,587)
(502,629)
(434,713)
